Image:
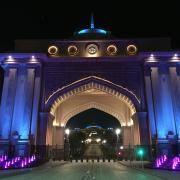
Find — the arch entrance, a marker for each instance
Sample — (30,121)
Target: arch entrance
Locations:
(92,92)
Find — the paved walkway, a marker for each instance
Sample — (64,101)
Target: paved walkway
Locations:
(89,171)
(93,150)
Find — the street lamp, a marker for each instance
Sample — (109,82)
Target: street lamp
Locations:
(67,131)
(140,152)
(67,145)
(118,131)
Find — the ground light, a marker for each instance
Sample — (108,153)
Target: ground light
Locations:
(16,162)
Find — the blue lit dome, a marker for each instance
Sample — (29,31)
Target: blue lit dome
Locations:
(93,126)
(92,33)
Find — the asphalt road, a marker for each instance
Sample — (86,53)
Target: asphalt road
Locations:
(93,150)
(89,171)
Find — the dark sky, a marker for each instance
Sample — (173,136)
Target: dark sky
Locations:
(58,19)
(93,117)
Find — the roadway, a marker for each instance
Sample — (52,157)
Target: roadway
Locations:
(90,171)
(93,150)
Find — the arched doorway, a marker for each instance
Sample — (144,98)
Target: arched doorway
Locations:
(93,135)
(92,92)
(93,117)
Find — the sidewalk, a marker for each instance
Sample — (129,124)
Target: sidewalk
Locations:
(135,164)
(163,174)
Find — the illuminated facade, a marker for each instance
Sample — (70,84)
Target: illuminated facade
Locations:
(46,82)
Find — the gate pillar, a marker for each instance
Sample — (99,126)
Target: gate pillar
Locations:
(127,136)
(141,130)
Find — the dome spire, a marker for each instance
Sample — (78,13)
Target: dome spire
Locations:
(92,21)
(92,32)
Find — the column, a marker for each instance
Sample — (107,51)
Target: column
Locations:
(7,102)
(175,90)
(29,91)
(58,136)
(42,130)
(150,103)
(35,108)
(127,136)
(23,92)
(141,128)
(162,101)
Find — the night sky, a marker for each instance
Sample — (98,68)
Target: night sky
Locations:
(59,19)
(93,117)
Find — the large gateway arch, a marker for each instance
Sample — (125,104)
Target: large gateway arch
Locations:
(46,82)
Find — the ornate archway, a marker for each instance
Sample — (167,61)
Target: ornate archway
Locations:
(104,108)
(92,82)
(92,92)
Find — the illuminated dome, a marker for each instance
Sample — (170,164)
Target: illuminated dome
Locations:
(93,126)
(92,33)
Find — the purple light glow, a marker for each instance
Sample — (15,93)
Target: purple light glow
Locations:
(5,167)
(22,164)
(157,163)
(16,162)
(9,163)
(175,162)
(165,157)
(160,161)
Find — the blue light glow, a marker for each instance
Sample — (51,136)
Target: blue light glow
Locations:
(100,31)
(92,22)
(95,126)
(83,31)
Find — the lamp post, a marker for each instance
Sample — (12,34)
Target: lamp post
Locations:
(67,145)
(118,131)
(67,132)
(141,154)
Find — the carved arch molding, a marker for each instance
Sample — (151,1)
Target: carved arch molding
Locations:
(93,85)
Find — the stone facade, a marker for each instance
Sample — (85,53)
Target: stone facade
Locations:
(35,84)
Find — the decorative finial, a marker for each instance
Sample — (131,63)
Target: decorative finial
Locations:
(92,21)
